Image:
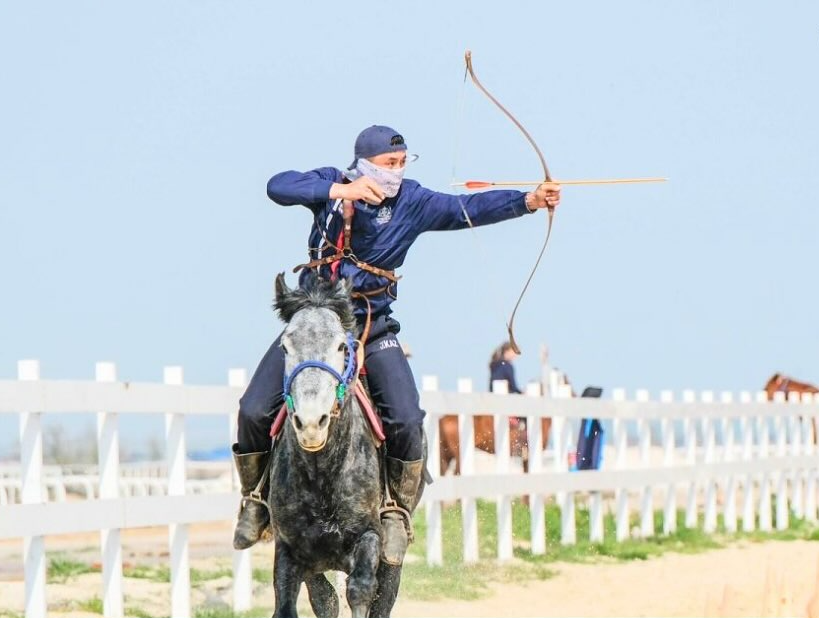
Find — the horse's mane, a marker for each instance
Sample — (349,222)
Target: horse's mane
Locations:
(318,293)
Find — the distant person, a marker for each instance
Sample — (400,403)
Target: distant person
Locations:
(501,368)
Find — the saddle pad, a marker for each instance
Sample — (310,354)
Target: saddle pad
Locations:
(366,406)
(369,411)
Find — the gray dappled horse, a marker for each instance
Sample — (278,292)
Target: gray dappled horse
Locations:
(325,476)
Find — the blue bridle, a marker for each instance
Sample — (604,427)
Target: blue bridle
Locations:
(344,379)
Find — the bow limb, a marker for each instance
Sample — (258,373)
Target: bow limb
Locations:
(547,178)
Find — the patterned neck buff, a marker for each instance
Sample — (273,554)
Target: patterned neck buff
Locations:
(389,180)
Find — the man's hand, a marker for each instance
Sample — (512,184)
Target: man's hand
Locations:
(362,188)
(546,195)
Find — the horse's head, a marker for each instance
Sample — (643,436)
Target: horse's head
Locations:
(319,363)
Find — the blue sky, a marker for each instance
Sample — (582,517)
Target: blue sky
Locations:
(137,141)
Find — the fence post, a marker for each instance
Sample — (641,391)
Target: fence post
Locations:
(108,462)
(782,475)
(709,431)
(764,433)
(568,529)
(647,499)
(31,492)
(177,533)
(669,452)
(242,559)
(596,524)
(730,508)
(808,420)
(502,461)
(435,552)
(747,437)
(690,430)
(795,435)
(469,508)
(621,449)
(537,508)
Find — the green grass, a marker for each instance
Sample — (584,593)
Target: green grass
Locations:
(92,605)
(223,610)
(61,569)
(154,574)
(137,612)
(198,575)
(458,580)
(263,576)
(162,574)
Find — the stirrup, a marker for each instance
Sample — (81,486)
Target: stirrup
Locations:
(391,506)
(256,494)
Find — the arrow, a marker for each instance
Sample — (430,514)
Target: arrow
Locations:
(483,184)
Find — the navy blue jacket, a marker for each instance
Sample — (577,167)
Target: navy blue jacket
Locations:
(503,370)
(383,234)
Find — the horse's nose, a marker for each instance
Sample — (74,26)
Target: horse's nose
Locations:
(310,427)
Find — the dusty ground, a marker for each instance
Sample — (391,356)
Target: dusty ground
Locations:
(776,578)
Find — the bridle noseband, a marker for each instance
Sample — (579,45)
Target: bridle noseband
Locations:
(344,379)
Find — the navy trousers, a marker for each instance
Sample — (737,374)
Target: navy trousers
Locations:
(391,383)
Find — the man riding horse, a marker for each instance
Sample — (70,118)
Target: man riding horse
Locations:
(364,221)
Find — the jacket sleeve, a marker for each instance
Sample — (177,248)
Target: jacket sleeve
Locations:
(307,188)
(442,211)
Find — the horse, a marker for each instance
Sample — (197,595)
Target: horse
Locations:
(780,383)
(450,444)
(325,471)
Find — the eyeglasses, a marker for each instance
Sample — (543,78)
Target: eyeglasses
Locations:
(397,140)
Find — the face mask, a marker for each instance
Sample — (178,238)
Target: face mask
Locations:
(389,180)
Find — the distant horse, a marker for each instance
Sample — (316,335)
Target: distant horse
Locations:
(779,383)
(325,483)
(450,441)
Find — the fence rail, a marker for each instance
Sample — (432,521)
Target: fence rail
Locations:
(743,457)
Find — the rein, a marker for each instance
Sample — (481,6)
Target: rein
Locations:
(344,380)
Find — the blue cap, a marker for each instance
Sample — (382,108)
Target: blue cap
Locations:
(376,140)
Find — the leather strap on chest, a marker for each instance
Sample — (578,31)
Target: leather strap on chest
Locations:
(343,250)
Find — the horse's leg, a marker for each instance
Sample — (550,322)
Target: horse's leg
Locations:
(389,580)
(545,429)
(361,583)
(286,582)
(323,597)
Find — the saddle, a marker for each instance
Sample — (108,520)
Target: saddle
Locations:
(367,407)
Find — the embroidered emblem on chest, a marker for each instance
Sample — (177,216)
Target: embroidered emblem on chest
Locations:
(383,215)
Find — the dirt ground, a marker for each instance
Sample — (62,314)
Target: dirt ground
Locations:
(775,578)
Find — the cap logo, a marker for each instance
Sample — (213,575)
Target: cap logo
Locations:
(396,140)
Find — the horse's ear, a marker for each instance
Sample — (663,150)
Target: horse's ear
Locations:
(281,289)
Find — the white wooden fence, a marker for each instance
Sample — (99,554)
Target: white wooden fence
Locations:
(729,454)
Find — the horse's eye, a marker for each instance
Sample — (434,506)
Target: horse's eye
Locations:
(342,347)
(284,349)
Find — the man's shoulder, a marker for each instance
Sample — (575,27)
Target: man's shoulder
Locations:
(412,189)
(329,172)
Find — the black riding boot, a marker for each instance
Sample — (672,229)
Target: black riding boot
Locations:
(254,515)
(405,486)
